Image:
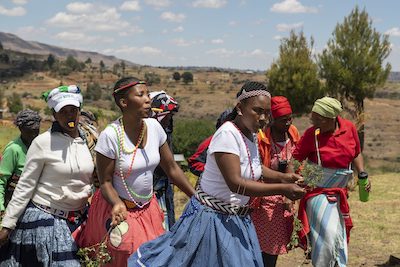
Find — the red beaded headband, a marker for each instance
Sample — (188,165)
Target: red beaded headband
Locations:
(128,85)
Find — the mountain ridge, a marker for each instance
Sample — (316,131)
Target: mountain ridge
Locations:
(15,43)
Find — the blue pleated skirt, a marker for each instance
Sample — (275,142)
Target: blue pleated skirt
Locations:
(202,237)
(41,239)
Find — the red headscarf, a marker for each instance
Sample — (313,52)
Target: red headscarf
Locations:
(280,106)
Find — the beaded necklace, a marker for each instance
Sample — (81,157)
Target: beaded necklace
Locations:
(247,149)
(120,137)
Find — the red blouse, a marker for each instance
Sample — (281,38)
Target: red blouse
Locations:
(337,150)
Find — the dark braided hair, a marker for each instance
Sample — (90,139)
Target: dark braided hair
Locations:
(249,86)
(123,93)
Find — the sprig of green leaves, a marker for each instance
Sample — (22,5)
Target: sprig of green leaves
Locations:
(100,257)
(312,174)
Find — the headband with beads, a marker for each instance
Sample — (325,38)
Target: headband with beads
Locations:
(126,86)
(249,94)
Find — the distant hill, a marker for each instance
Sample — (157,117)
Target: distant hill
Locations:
(394,77)
(13,42)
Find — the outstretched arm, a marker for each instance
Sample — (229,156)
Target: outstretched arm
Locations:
(229,165)
(174,172)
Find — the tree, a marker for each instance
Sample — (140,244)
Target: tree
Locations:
(102,64)
(177,76)
(352,63)
(51,60)
(295,74)
(93,91)
(123,68)
(187,77)
(1,98)
(1,46)
(115,68)
(88,61)
(14,103)
(70,61)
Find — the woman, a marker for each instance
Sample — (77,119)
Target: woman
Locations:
(215,229)
(50,200)
(14,154)
(273,215)
(333,143)
(125,208)
(166,107)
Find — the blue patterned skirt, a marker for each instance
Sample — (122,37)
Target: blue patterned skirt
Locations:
(202,237)
(41,239)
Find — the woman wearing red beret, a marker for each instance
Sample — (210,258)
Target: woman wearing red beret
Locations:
(273,215)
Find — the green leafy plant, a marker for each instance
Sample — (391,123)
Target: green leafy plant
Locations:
(101,255)
(312,174)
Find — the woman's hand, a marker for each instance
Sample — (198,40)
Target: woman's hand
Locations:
(4,236)
(118,214)
(368,187)
(294,191)
(292,178)
(287,204)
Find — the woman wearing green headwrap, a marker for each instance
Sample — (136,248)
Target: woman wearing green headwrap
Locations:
(332,143)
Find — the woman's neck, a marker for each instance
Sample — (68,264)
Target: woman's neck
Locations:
(243,128)
(277,135)
(131,124)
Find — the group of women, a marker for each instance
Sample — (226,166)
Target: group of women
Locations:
(247,177)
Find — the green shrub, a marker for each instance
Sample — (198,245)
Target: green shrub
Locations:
(188,135)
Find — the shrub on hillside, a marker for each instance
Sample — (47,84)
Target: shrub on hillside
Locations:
(188,135)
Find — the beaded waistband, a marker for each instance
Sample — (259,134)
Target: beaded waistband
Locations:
(220,205)
(60,213)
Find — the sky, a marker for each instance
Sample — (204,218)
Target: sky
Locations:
(239,34)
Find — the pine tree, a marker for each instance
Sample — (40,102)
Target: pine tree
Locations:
(352,63)
(295,74)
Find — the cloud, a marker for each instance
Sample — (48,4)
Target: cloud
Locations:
(126,50)
(234,22)
(136,18)
(182,42)
(393,32)
(79,8)
(98,18)
(281,27)
(227,35)
(15,12)
(158,4)
(164,31)
(217,41)
(243,3)
(79,38)
(171,17)
(292,6)
(258,21)
(31,31)
(179,29)
(277,37)
(131,31)
(222,52)
(130,6)
(251,35)
(19,2)
(209,3)
(377,20)
(255,53)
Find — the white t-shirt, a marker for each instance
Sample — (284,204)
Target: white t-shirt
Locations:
(140,179)
(229,139)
